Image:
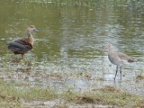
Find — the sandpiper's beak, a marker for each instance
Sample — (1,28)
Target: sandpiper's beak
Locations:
(35,30)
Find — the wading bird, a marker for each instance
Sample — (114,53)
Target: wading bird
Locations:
(23,45)
(118,58)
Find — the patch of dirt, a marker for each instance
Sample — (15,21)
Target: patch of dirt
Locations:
(109,88)
(139,77)
(85,99)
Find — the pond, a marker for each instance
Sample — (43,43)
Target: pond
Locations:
(70,42)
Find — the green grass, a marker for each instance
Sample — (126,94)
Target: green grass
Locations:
(10,95)
(11,92)
(105,96)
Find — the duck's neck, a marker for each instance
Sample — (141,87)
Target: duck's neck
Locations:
(30,38)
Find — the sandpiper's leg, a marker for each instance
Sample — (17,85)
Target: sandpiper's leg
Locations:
(120,73)
(116,72)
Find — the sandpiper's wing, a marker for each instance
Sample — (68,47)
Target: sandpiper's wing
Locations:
(123,56)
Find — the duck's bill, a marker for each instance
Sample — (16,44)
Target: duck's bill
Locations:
(35,30)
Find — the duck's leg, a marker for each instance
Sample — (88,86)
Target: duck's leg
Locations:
(116,72)
(120,73)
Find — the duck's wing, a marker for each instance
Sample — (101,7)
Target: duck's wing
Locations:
(19,46)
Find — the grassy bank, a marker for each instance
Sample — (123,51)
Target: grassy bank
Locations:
(15,95)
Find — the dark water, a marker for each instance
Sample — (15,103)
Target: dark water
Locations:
(71,38)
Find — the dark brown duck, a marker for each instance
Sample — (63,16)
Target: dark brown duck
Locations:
(23,45)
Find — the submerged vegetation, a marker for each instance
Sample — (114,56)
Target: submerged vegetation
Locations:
(20,86)
(14,93)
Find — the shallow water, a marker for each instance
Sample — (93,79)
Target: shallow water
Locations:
(70,42)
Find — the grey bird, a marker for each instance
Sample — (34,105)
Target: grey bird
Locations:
(118,58)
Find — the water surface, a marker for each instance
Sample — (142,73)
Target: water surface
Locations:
(71,39)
